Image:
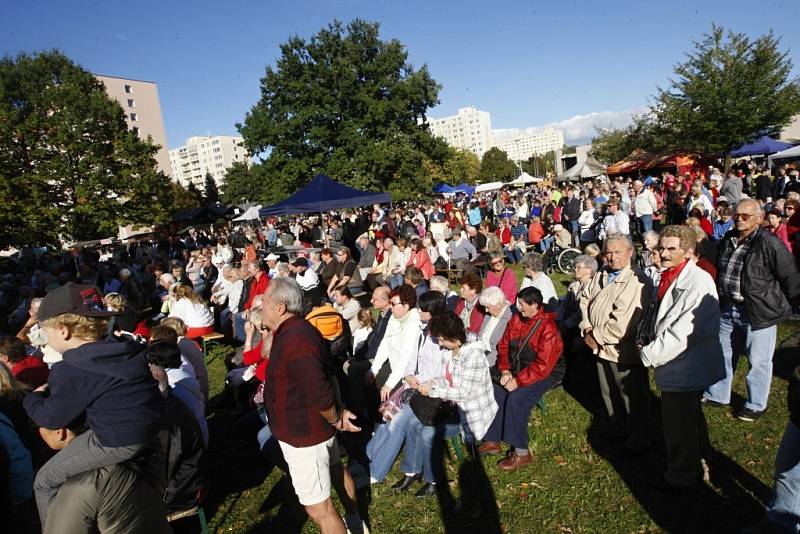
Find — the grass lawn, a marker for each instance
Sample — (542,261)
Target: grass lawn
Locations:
(579,482)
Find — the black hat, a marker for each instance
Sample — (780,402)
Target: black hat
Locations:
(300,262)
(76,299)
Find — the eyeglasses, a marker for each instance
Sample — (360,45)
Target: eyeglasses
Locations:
(395,303)
(789,208)
(743,216)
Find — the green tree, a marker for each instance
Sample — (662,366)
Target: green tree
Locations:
(540,165)
(69,166)
(243,184)
(461,166)
(194,192)
(730,91)
(182,198)
(348,104)
(495,166)
(210,191)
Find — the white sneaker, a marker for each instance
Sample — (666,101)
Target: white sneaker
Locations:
(356,529)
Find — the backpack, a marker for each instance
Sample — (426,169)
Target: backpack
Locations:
(334,329)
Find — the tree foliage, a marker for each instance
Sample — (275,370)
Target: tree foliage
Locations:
(461,166)
(210,191)
(348,104)
(540,165)
(182,198)
(243,184)
(495,166)
(69,166)
(731,90)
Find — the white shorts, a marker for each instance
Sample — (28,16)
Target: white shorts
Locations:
(310,469)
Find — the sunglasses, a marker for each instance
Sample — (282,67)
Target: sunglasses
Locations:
(743,216)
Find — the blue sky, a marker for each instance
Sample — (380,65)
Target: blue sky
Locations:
(575,64)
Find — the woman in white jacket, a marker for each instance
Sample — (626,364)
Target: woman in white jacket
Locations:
(399,342)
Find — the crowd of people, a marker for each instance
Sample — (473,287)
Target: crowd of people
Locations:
(386,331)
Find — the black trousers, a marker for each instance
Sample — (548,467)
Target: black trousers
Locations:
(685,436)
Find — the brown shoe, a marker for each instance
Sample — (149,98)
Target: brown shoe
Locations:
(513,461)
(489,447)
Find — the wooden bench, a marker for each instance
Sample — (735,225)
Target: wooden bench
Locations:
(210,339)
(195,510)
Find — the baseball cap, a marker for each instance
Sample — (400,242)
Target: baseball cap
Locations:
(76,299)
(300,262)
(272,257)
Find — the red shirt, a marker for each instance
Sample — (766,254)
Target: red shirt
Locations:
(297,385)
(253,356)
(669,276)
(31,370)
(259,286)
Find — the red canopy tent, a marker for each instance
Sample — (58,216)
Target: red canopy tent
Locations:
(640,160)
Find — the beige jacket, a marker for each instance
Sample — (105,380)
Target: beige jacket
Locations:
(613,311)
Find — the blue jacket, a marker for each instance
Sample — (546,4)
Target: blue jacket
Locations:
(110,382)
(20,468)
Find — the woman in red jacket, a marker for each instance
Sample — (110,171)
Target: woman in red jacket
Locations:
(420,259)
(529,363)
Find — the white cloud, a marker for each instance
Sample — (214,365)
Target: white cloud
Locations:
(581,128)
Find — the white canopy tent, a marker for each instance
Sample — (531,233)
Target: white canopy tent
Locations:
(250,215)
(525,179)
(588,169)
(491,186)
(789,154)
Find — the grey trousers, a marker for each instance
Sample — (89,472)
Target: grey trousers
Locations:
(83,454)
(631,384)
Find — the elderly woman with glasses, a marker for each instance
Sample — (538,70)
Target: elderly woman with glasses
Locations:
(498,314)
(501,276)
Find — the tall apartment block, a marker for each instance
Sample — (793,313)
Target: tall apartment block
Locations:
(201,155)
(470,129)
(139,100)
(522,146)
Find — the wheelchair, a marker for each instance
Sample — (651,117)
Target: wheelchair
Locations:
(560,259)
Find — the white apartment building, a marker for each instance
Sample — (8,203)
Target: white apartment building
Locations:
(201,155)
(139,100)
(522,146)
(470,130)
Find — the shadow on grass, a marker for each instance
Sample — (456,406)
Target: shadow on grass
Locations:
(733,499)
(475,511)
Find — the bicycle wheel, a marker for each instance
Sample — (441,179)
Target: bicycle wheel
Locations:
(566,260)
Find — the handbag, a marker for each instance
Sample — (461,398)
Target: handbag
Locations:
(391,406)
(517,361)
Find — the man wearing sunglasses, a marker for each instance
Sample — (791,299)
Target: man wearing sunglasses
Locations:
(757,276)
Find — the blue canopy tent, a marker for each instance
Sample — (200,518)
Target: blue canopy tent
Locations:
(467,189)
(764,145)
(443,189)
(324,194)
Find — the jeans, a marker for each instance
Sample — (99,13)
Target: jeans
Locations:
(396,280)
(513,255)
(386,442)
(421,441)
(784,508)
(265,434)
(574,229)
(645,223)
(545,243)
(737,337)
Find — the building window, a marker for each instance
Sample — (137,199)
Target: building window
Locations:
(131,103)
(134,117)
(128,89)
(135,130)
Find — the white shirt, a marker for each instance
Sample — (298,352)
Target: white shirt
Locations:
(360,336)
(195,315)
(307,280)
(546,287)
(645,203)
(618,223)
